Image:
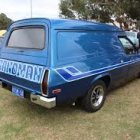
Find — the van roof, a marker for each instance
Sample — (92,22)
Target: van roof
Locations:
(73,24)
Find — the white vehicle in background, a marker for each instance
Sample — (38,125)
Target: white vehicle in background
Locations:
(133,37)
(1,40)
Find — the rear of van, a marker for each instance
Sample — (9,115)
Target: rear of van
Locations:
(24,60)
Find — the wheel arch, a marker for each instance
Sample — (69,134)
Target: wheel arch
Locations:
(106,78)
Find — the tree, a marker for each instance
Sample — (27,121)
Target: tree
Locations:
(4,21)
(133,9)
(125,12)
(84,9)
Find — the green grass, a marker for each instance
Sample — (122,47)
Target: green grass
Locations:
(119,119)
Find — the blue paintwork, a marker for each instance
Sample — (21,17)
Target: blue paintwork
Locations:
(76,53)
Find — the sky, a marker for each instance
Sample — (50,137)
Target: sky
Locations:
(19,9)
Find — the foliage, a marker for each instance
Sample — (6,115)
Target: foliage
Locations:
(125,12)
(4,21)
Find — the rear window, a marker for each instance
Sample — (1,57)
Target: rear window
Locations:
(30,38)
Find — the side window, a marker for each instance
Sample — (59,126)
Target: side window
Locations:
(128,46)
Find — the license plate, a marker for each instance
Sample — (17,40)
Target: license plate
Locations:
(18,91)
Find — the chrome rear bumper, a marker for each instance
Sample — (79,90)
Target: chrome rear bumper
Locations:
(43,101)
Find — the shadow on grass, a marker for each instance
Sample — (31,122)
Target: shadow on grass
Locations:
(26,108)
(30,114)
(30,108)
(112,91)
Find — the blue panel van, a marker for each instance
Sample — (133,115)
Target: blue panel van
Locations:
(52,62)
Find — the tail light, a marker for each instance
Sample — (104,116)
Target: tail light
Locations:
(45,83)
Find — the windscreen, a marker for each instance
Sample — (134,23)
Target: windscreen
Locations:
(30,38)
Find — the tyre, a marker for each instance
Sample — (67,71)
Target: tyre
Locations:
(94,99)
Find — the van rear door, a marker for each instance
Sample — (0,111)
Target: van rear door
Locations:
(24,57)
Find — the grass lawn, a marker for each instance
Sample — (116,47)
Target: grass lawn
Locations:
(119,119)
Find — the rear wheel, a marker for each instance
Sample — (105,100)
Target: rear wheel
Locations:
(95,98)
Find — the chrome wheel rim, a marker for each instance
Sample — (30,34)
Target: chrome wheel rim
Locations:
(97,96)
